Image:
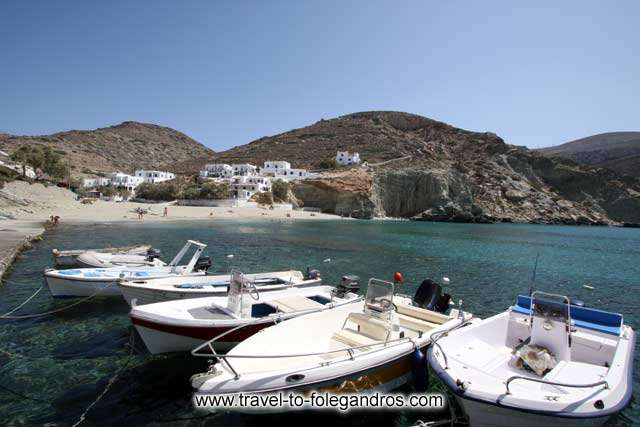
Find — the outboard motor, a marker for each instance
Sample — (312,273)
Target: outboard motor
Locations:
(312,274)
(429,296)
(203,264)
(153,253)
(349,283)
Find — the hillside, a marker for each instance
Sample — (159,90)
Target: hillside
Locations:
(121,147)
(446,174)
(618,151)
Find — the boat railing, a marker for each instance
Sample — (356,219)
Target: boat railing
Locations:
(443,333)
(209,344)
(542,381)
(372,347)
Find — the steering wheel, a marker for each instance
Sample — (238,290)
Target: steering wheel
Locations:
(386,304)
(253,291)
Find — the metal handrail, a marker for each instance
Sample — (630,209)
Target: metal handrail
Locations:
(537,380)
(349,350)
(277,318)
(443,333)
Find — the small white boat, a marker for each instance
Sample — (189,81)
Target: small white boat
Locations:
(181,325)
(94,259)
(69,258)
(366,345)
(545,361)
(81,282)
(140,291)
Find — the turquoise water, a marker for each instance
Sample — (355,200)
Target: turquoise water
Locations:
(53,368)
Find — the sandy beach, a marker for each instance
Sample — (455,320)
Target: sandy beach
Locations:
(34,202)
(25,210)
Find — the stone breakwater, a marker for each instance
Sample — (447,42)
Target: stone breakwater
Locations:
(15,237)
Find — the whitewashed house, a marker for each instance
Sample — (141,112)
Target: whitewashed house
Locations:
(275,168)
(217,170)
(292,174)
(154,177)
(244,169)
(125,181)
(96,182)
(345,158)
(243,187)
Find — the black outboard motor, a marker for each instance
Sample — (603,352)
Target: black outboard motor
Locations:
(349,283)
(153,253)
(203,264)
(429,296)
(312,274)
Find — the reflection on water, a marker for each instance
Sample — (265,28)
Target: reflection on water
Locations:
(52,368)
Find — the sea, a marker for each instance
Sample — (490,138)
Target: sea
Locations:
(85,364)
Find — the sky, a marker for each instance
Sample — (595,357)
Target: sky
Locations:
(229,72)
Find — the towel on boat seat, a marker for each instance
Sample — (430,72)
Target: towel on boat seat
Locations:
(534,358)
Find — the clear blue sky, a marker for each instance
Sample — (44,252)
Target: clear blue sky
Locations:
(229,72)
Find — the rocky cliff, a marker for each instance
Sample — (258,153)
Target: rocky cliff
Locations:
(449,174)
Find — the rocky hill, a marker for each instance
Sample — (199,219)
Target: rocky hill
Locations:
(422,168)
(618,151)
(123,147)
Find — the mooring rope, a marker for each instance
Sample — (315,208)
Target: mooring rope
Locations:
(23,304)
(46,313)
(112,380)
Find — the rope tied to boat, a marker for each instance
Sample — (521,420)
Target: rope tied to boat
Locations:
(112,380)
(47,313)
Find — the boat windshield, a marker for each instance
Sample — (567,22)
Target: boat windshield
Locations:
(550,306)
(379,296)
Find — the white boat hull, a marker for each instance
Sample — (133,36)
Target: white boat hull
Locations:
(142,296)
(61,287)
(166,342)
(483,414)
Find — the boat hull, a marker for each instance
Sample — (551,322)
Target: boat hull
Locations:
(140,296)
(484,414)
(165,338)
(61,287)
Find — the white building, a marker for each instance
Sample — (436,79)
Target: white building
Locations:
(292,174)
(274,168)
(243,187)
(217,170)
(96,182)
(244,169)
(125,181)
(346,159)
(154,177)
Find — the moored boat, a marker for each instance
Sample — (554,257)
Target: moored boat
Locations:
(69,258)
(140,291)
(181,325)
(545,361)
(95,259)
(82,282)
(364,346)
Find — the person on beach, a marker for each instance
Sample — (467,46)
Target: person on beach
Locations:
(166,211)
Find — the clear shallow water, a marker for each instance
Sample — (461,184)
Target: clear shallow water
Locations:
(61,363)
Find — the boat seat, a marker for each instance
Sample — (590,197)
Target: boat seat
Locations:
(370,326)
(353,338)
(294,303)
(421,313)
(415,323)
(583,317)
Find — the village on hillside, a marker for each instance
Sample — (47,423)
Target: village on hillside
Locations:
(243,180)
